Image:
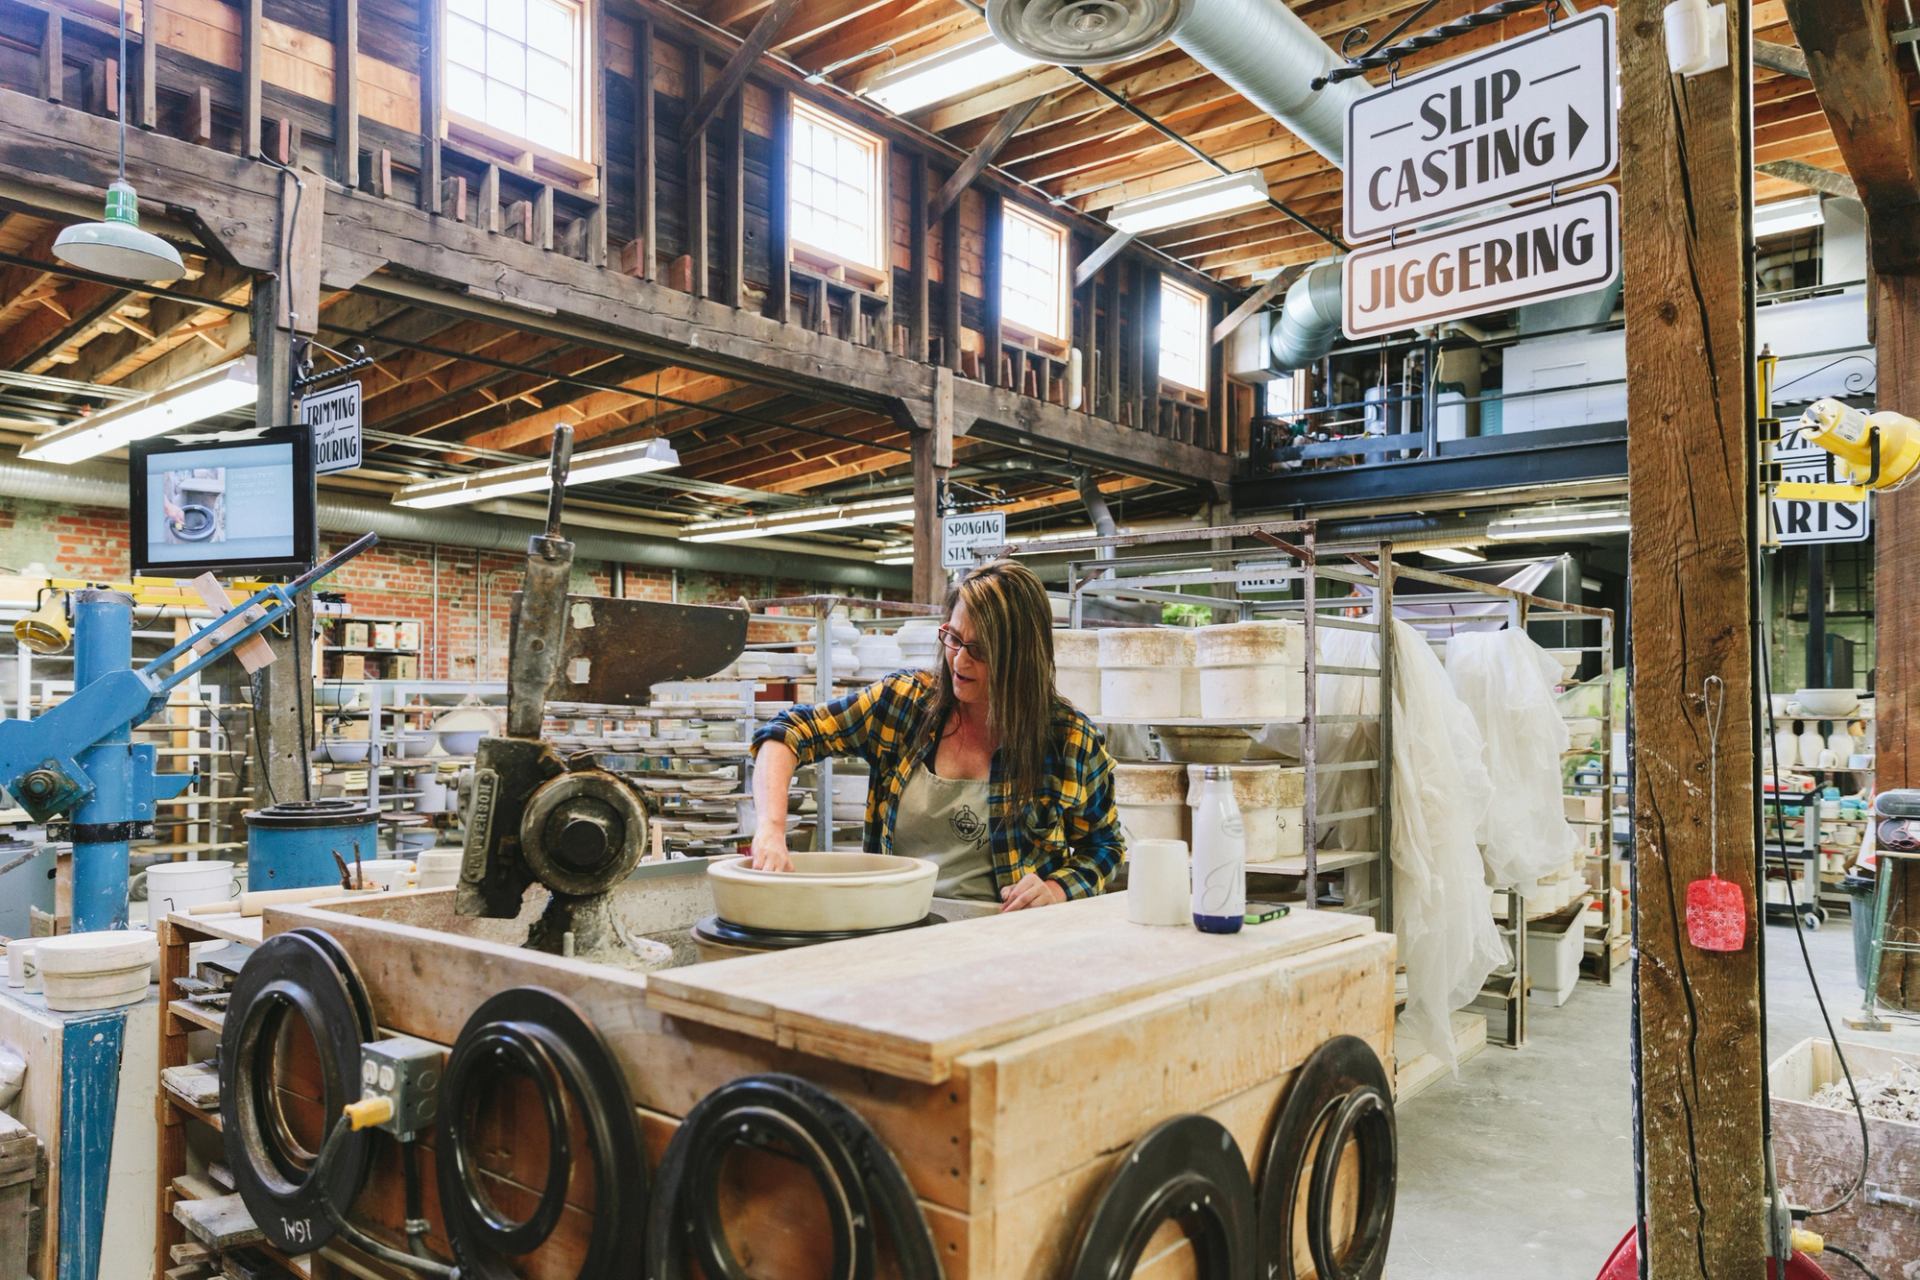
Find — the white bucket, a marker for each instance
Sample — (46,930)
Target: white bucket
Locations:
(1151,799)
(1140,672)
(437,870)
(173,888)
(1252,671)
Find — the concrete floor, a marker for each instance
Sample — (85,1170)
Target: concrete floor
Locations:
(1522,1168)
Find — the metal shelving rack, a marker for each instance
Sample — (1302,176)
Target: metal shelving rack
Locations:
(1292,575)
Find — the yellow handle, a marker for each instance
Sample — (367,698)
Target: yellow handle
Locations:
(1807,491)
(1807,1242)
(368,1112)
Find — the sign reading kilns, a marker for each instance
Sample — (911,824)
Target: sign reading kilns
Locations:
(1543,252)
(959,535)
(1800,522)
(333,416)
(1522,117)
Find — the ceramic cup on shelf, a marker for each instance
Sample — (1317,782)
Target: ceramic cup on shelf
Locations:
(1159,882)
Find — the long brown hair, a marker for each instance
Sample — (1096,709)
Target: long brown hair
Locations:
(1012,622)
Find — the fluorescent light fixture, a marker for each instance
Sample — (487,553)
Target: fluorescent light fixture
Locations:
(1537,524)
(947,74)
(533,477)
(1228,193)
(1782,216)
(806,520)
(221,389)
(1453,555)
(895,557)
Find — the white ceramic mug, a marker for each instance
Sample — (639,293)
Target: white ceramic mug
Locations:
(17,952)
(1159,883)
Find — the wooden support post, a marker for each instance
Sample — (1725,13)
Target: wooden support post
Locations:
(1685,179)
(1107,350)
(707,105)
(149,51)
(698,172)
(1259,298)
(733,220)
(950,291)
(433,105)
(1106,251)
(1080,328)
(490,199)
(105,92)
(252,58)
(917,257)
(644,149)
(53,57)
(453,197)
(200,131)
(982,155)
(346,91)
(1147,309)
(595,249)
(543,218)
(991,266)
(780,209)
(1856,70)
(932,448)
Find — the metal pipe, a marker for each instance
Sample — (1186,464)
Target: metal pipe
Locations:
(103,646)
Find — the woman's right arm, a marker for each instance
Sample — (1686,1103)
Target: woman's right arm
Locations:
(773,768)
(851,725)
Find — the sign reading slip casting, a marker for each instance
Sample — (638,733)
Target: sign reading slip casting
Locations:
(1518,119)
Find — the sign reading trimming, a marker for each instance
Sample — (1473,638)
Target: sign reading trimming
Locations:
(333,418)
(959,535)
(1520,118)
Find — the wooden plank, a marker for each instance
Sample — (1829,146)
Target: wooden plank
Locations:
(698,173)
(149,84)
(1147,309)
(53,57)
(1783,58)
(919,323)
(250,71)
(981,156)
(992,266)
(941,1003)
(733,220)
(1106,346)
(1810,176)
(950,286)
(433,116)
(932,458)
(1257,299)
(1106,251)
(1684,173)
(644,148)
(346,93)
(220,1223)
(734,74)
(780,207)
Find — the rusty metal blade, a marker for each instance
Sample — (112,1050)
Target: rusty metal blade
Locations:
(615,651)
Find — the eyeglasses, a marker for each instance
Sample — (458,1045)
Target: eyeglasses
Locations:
(954,644)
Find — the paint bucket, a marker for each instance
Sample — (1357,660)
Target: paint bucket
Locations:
(175,887)
(293,844)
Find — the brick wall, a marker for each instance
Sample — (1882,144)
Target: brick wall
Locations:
(460,596)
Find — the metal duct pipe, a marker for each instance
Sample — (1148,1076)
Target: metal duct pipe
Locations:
(350,514)
(1260,47)
(1309,318)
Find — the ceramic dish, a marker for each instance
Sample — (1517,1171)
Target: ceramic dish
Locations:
(824,893)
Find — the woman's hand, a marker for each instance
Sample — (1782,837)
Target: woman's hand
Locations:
(770,849)
(1032,891)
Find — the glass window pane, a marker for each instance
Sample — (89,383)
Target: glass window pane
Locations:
(475,9)
(466,43)
(506,60)
(508,17)
(548,125)
(549,79)
(466,92)
(550,28)
(506,109)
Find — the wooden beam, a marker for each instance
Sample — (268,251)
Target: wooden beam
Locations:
(917,269)
(932,456)
(734,74)
(1810,176)
(645,145)
(992,265)
(733,213)
(950,292)
(1257,299)
(698,171)
(1106,251)
(149,56)
(433,115)
(1106,347)
(1685,160)
(780,209)
(346,91)
(982,155)
(252,60)
(1784,58)
(53,57)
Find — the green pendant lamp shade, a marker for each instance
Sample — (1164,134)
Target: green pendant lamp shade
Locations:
(118,247)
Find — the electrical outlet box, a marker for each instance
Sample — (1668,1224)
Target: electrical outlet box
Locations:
(406,1071)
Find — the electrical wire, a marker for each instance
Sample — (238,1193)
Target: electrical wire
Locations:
(1852,1257)
(1799,933)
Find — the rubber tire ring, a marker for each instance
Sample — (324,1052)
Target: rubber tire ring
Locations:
(1367,1118)
(1333,1071)
(1188,1167)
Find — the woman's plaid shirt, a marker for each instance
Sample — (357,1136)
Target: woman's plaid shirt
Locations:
(1069,832)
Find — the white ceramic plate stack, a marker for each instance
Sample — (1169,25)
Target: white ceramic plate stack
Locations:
(102,970)
(1076,668)
(1140,672)
(1254,671)
(919,641)
(1272,800)
(1152,800)
(879,655)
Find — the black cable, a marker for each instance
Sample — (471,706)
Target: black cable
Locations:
(1799,933)
(260,768)
(1850,1256)
(360,1239)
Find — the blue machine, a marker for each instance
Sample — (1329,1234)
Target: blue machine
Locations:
(79,760)
(298,844)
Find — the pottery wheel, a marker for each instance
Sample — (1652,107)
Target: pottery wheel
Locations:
(726,933)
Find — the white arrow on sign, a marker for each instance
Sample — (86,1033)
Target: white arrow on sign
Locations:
(1544,251)
(1520,118)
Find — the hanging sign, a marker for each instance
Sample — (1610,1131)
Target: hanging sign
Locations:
(1800,521)
(1517,119)
(1543,252)
(1266,576)
(333,418)
(959,535)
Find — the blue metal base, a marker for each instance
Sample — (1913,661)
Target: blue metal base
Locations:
(89,1092)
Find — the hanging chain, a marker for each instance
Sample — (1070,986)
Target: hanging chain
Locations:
(1386,55)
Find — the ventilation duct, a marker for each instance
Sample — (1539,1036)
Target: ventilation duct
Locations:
(1309,318)
(1260,47)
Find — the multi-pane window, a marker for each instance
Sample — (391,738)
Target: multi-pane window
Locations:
(835,188)
(1283,396)
(514,66)
(1033,271)
(1183,336)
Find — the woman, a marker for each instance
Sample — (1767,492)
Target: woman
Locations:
(978,766)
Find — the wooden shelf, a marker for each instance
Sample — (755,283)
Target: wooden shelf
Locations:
(205,1019)
(180,1104)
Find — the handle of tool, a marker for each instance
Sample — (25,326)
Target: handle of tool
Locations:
(561,462)
(253,904)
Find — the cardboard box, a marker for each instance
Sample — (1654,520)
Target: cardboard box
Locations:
(353,666)
(354,635)
(403,667)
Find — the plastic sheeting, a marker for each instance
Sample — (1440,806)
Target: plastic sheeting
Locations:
(1507,682)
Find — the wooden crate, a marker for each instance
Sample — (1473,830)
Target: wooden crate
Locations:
(1006,1083)
(23,1185)
(1818,1150)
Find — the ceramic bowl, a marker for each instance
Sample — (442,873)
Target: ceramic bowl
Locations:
(460,742)
(1824,703)
(1197,744)
(824,893)
(345,750)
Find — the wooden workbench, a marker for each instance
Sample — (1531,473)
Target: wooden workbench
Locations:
(1006,1062)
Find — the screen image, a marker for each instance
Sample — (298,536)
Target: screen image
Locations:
(221,504)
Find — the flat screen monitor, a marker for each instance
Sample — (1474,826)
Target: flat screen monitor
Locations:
(231,507)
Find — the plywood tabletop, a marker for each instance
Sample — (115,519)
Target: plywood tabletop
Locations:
(908,1003)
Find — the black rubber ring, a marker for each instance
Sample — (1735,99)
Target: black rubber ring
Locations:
(498,1048)
(857,1176)
(579,1072)
(1188,1168)
(1334,1071)
(298,972)
(1367,1118)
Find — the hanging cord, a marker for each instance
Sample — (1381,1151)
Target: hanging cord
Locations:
(1806,958)
(1850,1256)
(1714,694)
(120,88)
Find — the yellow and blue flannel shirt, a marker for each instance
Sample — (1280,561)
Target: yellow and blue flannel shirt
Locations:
(1070,831)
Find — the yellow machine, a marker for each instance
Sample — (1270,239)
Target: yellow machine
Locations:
(1878,451)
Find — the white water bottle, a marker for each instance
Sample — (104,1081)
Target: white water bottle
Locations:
(1219,855)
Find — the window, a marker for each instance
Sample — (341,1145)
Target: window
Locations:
(513,66)
(1033,273)
(1183,336)
(1283,396)
(836,188)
